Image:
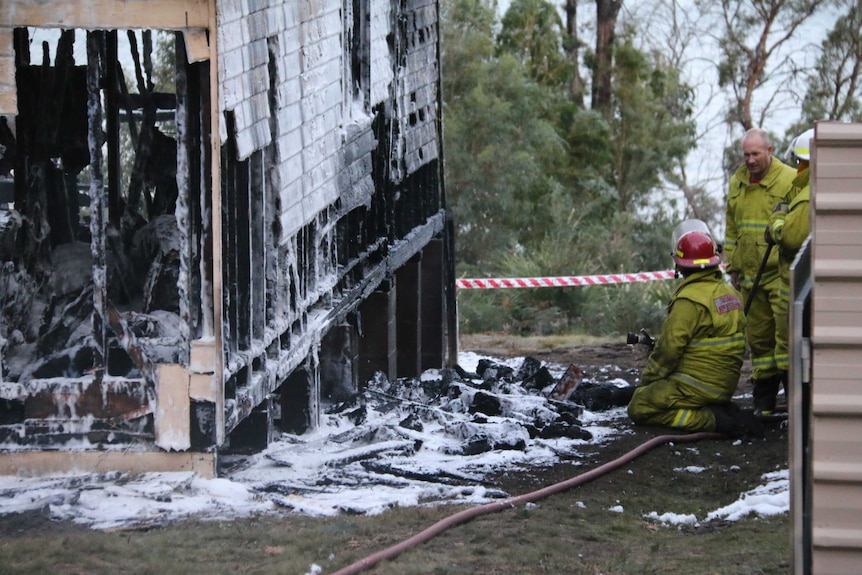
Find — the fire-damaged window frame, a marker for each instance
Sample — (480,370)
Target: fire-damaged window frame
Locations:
(114,352)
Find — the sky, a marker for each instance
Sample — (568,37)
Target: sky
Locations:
(364,460)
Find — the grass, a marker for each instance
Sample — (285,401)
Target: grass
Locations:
(568,533)
(525,345)
(552,537)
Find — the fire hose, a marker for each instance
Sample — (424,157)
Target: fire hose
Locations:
(473,512)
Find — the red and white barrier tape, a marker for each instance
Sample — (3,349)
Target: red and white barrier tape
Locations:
(500,283)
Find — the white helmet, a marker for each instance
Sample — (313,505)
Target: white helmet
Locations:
(802,145)
(788,153)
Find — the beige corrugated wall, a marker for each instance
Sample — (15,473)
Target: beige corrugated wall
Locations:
(836,350)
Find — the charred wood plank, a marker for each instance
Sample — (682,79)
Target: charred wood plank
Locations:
(183,197)
(349,456)
(57,332)
(42,436)
(160,100)
(435,476)
(567,384)
(112,128)
(142,151)
(97,190)
(600,397)
(115,400)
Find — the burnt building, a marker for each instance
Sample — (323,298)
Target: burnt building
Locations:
(215,217)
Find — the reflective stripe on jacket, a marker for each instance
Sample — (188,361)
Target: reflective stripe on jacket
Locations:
(748,209)
(702,342)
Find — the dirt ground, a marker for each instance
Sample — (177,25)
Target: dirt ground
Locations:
(600,527)
(591,356)
(732,467)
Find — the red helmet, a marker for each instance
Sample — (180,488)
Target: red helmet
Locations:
(693,246)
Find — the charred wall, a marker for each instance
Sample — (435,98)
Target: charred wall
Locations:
(353,183)
(194,222)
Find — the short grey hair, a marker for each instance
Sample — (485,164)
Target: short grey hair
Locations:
(758,132)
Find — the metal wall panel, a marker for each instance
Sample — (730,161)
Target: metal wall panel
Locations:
(835,439)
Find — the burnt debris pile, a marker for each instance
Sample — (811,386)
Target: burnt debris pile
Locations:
(451,430)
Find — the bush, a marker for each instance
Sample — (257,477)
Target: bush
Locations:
(598,311)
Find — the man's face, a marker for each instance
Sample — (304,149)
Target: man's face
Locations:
(757,156)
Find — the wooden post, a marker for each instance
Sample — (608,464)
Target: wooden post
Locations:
(97,191)
(377,345)
(409,317)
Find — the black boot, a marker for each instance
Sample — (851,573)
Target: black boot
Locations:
(765,390)
(736,423)
(723,420)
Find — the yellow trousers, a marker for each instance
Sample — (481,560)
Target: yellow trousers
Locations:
(766,328)
(673,404)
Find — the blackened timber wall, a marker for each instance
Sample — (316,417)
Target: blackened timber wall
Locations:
(343,100)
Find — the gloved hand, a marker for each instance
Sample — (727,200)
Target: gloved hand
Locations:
(767,235)
(776,224)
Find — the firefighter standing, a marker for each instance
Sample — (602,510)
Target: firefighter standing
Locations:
(762,182)
(693,370)
(789,223)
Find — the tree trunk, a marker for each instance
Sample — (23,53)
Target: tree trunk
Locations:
(606,22)
(576,88)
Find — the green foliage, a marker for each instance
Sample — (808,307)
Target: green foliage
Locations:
(498,181)
(588,246)
(164,69)
(652,129)
(468,44)
(540,187)
(532,32)
(501,153)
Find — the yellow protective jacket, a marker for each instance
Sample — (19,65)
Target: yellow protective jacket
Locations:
(702,342)
(748,209)
(790,230)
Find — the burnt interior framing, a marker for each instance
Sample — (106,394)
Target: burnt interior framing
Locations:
(102,184)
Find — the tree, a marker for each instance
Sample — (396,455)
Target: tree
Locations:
(501,152)
(532,32)
(835,86)
(573,46)
(606,23)
(752,34)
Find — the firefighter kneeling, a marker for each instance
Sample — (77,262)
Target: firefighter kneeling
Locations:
(693,370)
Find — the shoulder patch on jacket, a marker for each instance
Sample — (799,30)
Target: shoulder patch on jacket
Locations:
(726,303)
